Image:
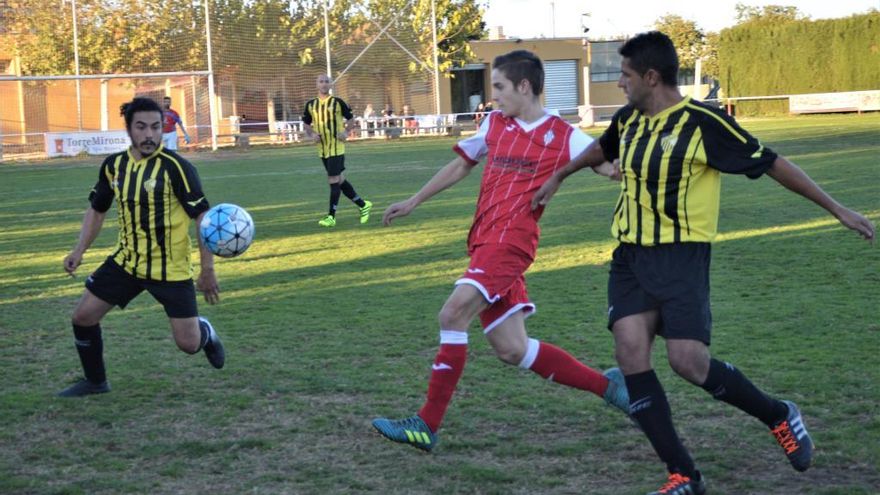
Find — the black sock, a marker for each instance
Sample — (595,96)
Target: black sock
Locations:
(728,384)
(649,407)
(334,198)
(348,190)
(90,347)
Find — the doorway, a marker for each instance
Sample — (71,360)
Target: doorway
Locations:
(468,88)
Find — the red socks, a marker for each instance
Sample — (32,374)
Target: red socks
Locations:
(545,359)
(556,365)
(445,373)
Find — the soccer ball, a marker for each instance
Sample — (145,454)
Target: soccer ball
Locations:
(227,230)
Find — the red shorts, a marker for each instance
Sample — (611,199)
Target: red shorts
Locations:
(497,271)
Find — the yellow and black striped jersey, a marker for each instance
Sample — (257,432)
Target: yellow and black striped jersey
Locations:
(155,197)
(327,117)
(672,164)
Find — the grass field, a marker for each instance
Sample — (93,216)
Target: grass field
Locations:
(325,329)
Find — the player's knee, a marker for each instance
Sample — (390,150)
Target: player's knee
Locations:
(510,355)
(687,366)
(187,345)
(450,317)
(631,357)
(82,318)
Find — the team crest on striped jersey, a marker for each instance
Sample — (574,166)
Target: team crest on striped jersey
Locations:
(150,184)
(668,142)
(548,138)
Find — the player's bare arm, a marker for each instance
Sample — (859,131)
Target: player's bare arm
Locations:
(609,169)
(311,134)
(207,282)
(793,178)
(91,227)
(349,125)
(590,157)
(447,176)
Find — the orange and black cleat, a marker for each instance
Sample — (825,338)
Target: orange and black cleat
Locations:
(679,484)
(791,433)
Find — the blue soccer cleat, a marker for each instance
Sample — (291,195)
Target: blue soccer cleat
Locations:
(616,394)
(412,431)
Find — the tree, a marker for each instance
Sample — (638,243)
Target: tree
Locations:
(711,66)
(114,36)
(687,37)
(768,14)
(458,22)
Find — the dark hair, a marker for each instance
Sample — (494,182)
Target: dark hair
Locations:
(139,104)
(652,50)
(522,64)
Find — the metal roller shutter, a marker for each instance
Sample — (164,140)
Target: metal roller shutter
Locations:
(561,84)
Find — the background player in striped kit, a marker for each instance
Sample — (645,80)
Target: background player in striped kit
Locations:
(328,120)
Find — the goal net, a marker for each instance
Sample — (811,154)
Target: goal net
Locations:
(67,65)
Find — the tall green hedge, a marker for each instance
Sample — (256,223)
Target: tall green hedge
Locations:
(801,56)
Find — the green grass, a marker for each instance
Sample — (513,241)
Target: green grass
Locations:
(325,329)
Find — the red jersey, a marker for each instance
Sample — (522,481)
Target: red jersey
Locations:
(170,118)
(520,158)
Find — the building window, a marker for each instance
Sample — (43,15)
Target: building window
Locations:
(605,61)
(686,77)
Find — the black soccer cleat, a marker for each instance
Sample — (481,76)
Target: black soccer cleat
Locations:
(213,347)
(84,387)
(791,434)
(678,484)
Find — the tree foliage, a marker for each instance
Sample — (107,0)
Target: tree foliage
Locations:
(801,56)
(248,36)
(768,14)
(689,39)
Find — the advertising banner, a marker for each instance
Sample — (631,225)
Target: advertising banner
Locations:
(852,101)
(92,142)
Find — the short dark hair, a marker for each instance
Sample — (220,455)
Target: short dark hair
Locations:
(522,64)
(166,97)
(652,50)
(139,104)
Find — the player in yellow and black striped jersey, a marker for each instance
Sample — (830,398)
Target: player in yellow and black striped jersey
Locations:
(672,151)
(157,193)
(328,120)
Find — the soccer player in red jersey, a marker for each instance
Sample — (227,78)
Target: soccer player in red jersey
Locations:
(523,145)
(170,121)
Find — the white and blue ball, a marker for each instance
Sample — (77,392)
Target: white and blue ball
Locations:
(227,230)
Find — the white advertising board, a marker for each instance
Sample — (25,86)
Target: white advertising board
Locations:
(93,143)
(851,101)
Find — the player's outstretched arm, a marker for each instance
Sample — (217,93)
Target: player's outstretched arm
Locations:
(793,178)
(91,227)
(207,282)
(590,157)
(450,174)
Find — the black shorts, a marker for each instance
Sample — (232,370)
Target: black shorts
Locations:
(334,165)
(672,278)
(116,286)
